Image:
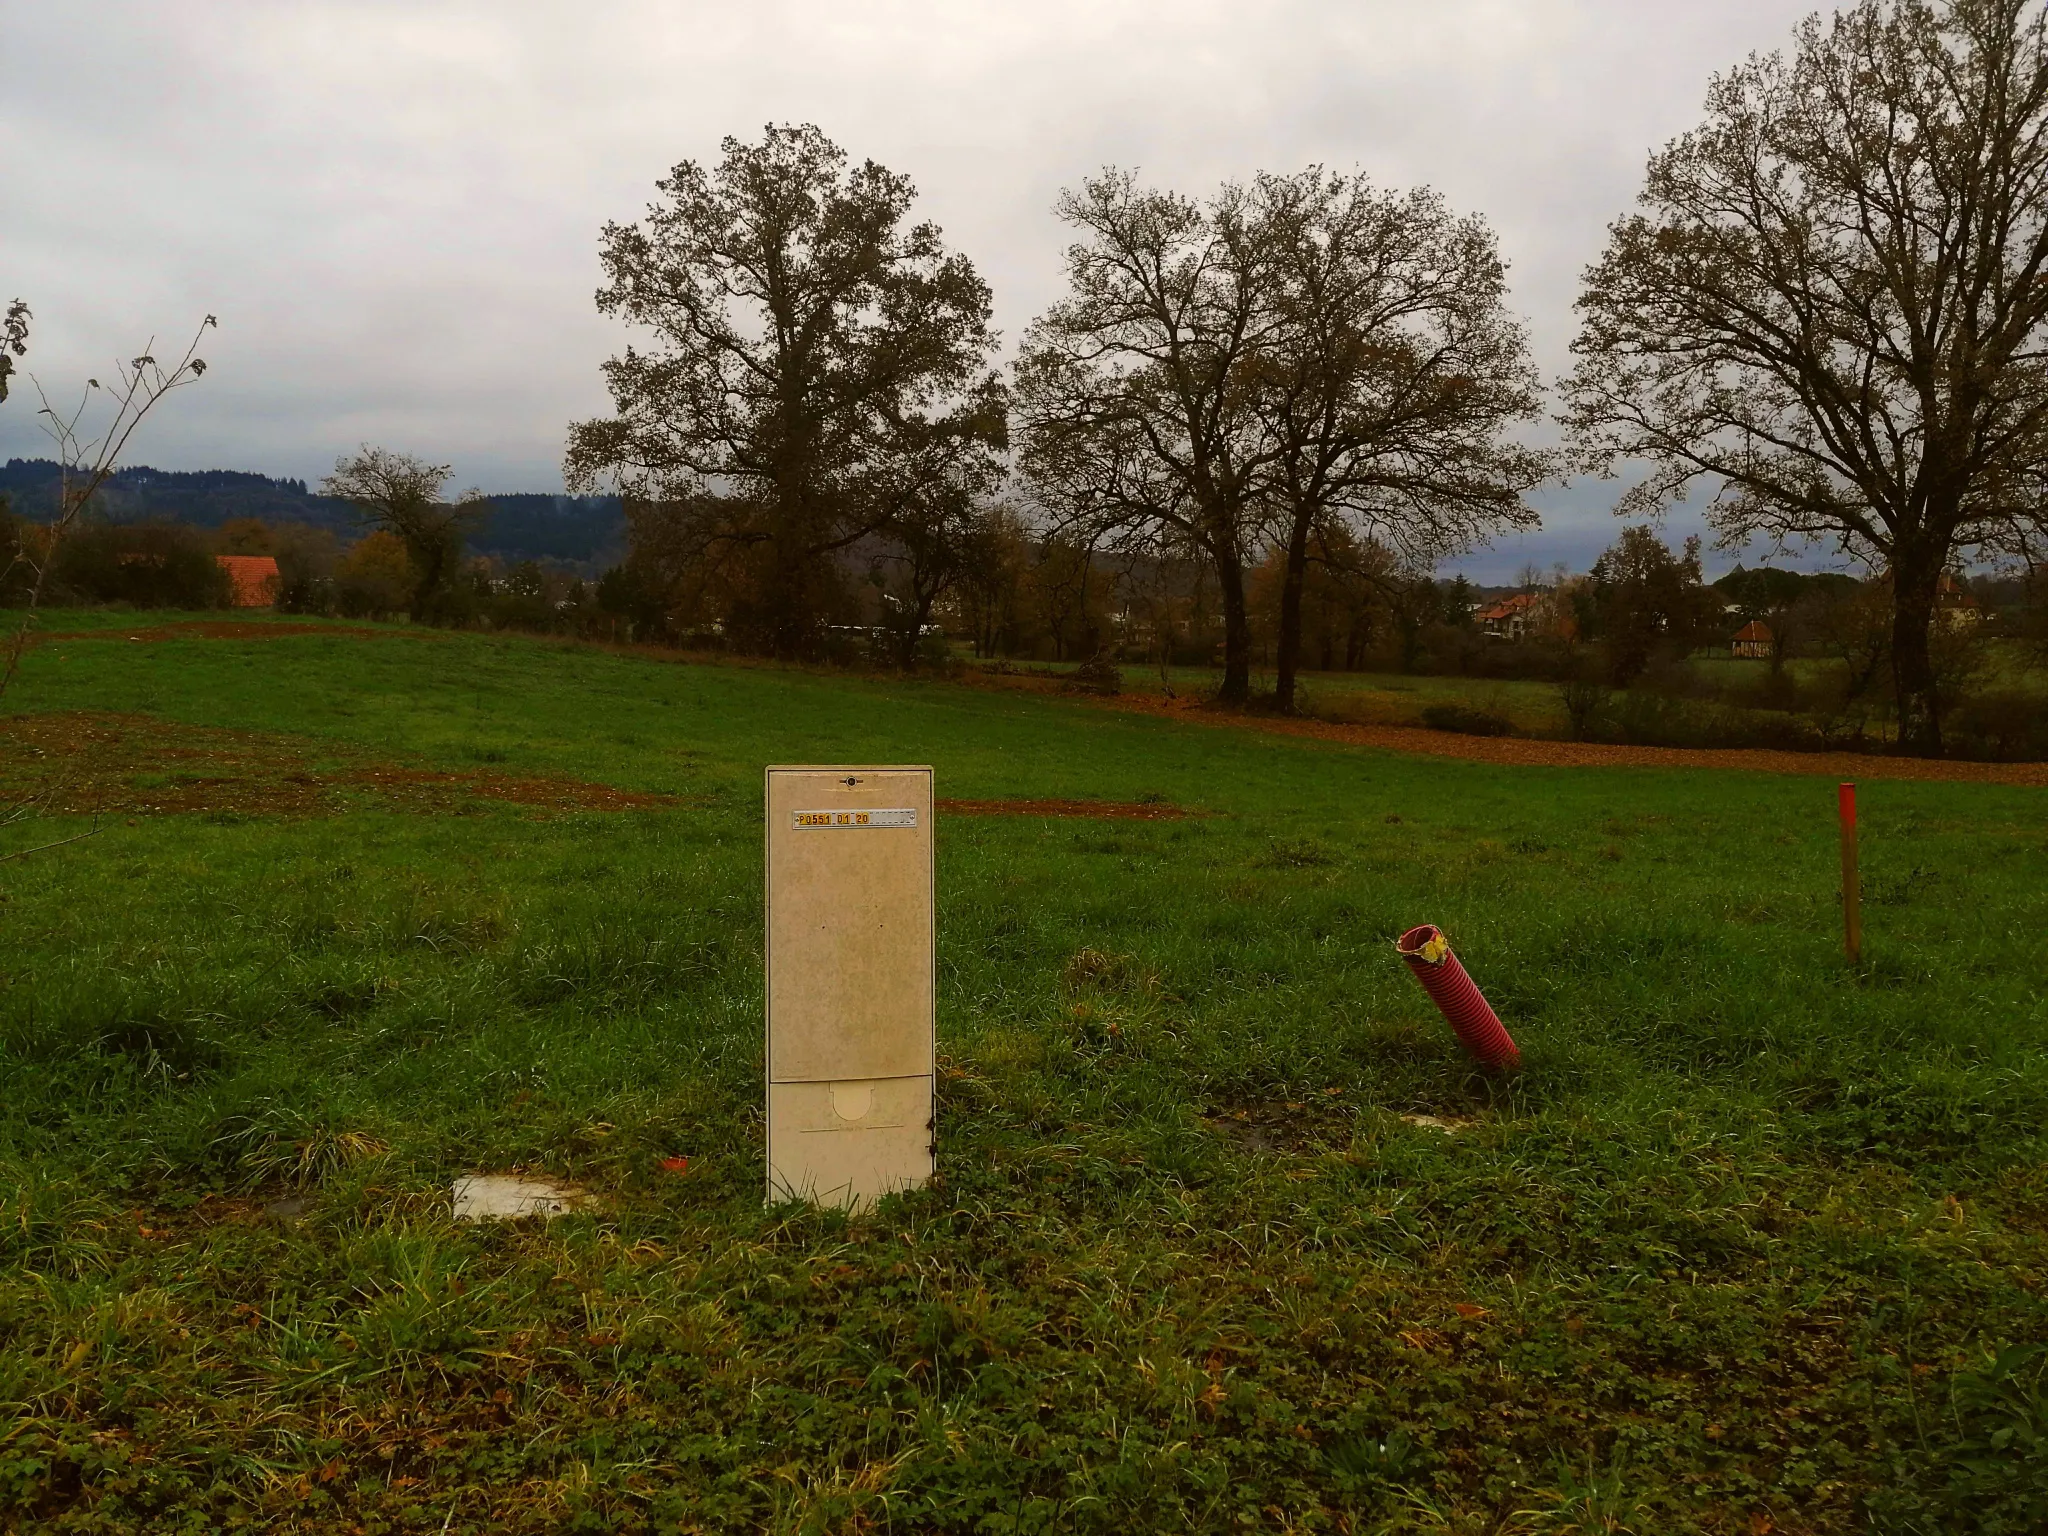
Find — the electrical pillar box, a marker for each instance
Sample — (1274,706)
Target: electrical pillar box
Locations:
(850,982)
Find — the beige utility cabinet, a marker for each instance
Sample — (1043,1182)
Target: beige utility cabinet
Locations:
(850,982)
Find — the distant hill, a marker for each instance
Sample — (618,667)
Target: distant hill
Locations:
(205,499)
(566,530)
(583,531)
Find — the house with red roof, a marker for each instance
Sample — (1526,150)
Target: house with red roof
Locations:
(1753,641)
(1511,618)
(255,579)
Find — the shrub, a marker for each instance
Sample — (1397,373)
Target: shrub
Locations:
(374,578)
(1464,720)
(2006,725)
(1645,719)
(1770,690)
(1586,701)
(1098,674)
(18,541)
(147,565)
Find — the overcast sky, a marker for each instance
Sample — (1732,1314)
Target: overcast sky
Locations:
(393,207)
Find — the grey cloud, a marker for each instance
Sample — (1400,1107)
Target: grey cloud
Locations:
(394,207)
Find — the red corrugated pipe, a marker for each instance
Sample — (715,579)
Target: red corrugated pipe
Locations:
(1480,1031)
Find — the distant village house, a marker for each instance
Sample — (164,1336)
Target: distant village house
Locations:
(1532,615)
(255,579)
(1954,606)
(1512,618)
(1753,641)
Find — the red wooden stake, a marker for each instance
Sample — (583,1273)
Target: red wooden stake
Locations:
(1852,885)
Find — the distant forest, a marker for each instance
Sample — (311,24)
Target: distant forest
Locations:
(585,533)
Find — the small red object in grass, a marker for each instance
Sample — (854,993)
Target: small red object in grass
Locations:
(676,1164)
(1479,1028)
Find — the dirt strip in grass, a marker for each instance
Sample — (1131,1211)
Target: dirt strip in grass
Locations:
(78,763)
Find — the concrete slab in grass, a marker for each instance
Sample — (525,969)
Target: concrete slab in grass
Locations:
(510,1196)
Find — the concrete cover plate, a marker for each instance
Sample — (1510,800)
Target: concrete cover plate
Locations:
(509,1196)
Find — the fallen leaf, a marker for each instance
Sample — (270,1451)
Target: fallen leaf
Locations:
(1469,1309)
(676,1164)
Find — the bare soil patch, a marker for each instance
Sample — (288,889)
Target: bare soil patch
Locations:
(1096,810)
(1315,1123)
(1523,752)
(245,629)
(134,765)
(433,790)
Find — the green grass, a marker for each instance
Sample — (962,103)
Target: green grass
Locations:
(1535,708)
(1754,1241)
(1367,698)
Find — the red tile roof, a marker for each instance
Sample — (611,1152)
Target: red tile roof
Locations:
(1508,607)
(255,579)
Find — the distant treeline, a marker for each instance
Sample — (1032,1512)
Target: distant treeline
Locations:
(583,532)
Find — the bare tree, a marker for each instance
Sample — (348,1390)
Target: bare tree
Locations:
(88,456)
(1389,382)
(402,495)
(1135,391)
(89,450)
(1157,584)
(821,371)
(1833,306)
(924,555)
(989,596)
(1065,599)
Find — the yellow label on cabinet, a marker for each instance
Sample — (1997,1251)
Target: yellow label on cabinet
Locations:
(802,821)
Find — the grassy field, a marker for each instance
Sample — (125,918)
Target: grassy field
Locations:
(1372,698)
(1532,708)
(1754,1243)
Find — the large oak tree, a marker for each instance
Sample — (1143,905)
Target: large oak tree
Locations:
(1832,306)
(1388,385)
(818,375)
(1288,362)
(1134,391)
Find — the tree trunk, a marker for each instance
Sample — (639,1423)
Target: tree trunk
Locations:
(923,616)
(1237,629)
(1915,577)
(429,559)
(1409,624)
(1288,662)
